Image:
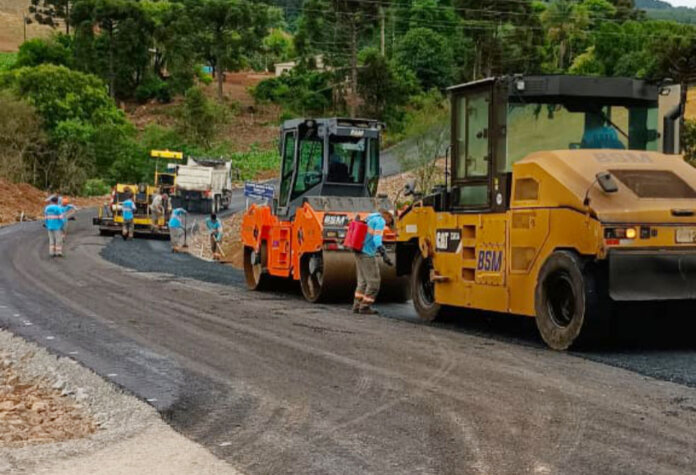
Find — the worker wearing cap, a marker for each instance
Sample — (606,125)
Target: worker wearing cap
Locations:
(127,210)
(176,229)
(367,266)
(214,227)
(157,209)
(55,222)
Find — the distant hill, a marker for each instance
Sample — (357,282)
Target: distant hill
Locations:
(653,5)
(660,10)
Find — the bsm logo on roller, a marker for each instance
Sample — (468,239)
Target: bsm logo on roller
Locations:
(490,261)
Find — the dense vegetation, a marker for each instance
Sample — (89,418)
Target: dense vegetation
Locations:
(388,59)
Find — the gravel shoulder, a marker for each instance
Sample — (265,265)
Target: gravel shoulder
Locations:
(131,436)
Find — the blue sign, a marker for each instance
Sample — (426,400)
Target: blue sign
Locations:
(259,191)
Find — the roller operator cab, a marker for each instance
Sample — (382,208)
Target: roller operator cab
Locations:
(561,201)
(329,176)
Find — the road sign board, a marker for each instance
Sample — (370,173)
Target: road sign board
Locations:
(260,191)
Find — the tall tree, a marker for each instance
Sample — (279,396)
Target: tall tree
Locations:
(227,31)
(564,22)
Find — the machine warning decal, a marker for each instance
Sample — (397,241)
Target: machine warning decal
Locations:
(490,261)
(447,240)
(622,157)
(338,220)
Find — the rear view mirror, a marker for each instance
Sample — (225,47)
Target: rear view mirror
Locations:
(606,182)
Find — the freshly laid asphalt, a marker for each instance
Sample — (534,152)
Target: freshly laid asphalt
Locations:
(273,384)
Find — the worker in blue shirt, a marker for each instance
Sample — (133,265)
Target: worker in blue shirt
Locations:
(177,229)
(54,222)
(366,264)
(127,210)
(214,227)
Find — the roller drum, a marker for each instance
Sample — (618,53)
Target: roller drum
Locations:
(330,276)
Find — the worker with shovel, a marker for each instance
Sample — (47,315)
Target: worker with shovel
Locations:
(177,229)
(214,227)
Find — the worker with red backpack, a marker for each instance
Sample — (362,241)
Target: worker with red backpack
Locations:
(365,238)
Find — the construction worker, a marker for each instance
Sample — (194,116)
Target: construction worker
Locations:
(157,209)
(176,229)
(214,227)
(54,221)
(127,210)
(367,266)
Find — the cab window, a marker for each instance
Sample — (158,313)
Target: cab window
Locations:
(288,167)
(309,167)
(472,136)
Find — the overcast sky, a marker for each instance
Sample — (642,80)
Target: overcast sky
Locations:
(683,3)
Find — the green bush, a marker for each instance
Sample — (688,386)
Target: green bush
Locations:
(60,94)
(95,187)
(301,92)
(153,88)
(7,61)
(39,51)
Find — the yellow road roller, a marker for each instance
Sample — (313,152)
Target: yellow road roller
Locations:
(564,197)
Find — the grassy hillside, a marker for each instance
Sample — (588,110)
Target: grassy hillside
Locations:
(11,25)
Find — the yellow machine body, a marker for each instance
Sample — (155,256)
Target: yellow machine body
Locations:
(496,263)
(557,233)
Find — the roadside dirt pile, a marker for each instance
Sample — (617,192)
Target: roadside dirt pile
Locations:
(23,202)
(18,198)
(231,241)
(33,413)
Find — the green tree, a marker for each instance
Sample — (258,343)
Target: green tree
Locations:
(22,140)
(227,31)
(383,88)
(564,22)
(39,51)
(689,141)
(428,55)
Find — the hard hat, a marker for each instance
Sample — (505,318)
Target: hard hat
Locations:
(66,201)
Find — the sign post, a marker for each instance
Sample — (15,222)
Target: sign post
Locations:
(258,191)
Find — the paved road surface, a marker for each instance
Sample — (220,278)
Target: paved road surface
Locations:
(275,385)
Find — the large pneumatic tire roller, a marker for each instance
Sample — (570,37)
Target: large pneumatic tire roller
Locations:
(331,276)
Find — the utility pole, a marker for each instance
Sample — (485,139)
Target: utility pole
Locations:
(24,25)
(381,30)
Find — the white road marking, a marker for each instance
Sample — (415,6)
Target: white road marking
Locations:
(72,352)
(225,444)
(112,375)
(50,338)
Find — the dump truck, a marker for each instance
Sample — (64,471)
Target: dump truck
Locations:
(110,216)
(203,185)
(565,199)
(329,176)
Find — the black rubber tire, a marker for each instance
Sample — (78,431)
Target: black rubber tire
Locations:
(571,301)
(312,286)
(256,276)
(423,290)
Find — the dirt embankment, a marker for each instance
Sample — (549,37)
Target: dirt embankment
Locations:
(232,249)
(23,202)
(250,124)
